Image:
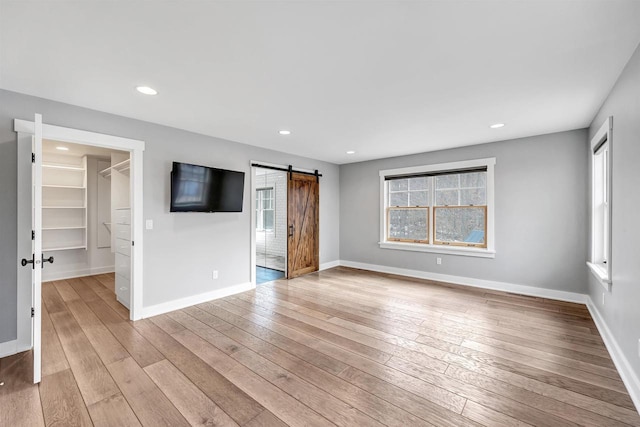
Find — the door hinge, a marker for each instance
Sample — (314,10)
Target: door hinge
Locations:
(33,235)
(33,157)
(33,312)
(133,243)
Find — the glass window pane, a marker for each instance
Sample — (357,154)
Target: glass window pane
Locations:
(447,181)
(399,185)
(460,225)
(399,199)
(418,198)
(268,220)
(474,179)
(447,197)
(473,196)
(408,224)
(419,183)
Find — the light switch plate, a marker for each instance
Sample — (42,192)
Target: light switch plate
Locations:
(149,224)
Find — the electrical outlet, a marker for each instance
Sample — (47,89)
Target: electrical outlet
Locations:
(215,274)
(438,260)
(603,298)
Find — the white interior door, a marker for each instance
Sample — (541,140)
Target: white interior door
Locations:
(31,260)
(38,260)
(30,257)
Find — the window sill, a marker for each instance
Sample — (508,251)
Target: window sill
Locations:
(438,249)
(601,274)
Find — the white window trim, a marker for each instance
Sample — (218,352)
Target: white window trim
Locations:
(602,272)
(488,252)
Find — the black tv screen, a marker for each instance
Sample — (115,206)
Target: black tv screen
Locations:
(202,189)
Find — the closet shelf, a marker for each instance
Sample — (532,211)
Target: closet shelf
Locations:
(123,166)
(63,248)
(64,210)
(66,167)
(75,187)
(64,228)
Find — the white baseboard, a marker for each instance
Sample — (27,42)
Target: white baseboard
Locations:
(10,348)
(629,377)
(181,303)
(476,283)
(328,265)
(63,275)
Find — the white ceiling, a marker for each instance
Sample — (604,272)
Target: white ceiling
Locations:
(383,78)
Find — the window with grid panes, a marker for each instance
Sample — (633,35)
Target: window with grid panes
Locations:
(408,211)
(437,208)
(265,212)
(460,209)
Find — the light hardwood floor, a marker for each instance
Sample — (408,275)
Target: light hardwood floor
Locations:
(342,347)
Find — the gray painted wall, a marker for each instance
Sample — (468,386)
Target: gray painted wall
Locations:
(540,213)
(621,310)
(183,249)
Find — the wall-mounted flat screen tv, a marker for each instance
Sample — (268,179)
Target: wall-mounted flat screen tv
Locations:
(202,189)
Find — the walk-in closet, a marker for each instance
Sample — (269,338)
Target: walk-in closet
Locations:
(271,224)
(86,220)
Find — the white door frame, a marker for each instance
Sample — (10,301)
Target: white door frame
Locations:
(252,229)
(136,148)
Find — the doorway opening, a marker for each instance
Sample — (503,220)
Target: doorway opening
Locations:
(285,238)
(86,215)
(270,224)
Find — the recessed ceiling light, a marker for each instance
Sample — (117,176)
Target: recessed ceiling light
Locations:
(147,90)
(351,152)
(497,126)
(285,132)
(61,148)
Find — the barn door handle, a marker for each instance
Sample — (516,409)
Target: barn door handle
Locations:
(291,231)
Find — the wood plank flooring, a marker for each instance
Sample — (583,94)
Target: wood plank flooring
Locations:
(340,347)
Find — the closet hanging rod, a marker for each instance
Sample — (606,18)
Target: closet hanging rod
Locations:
(126,164)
